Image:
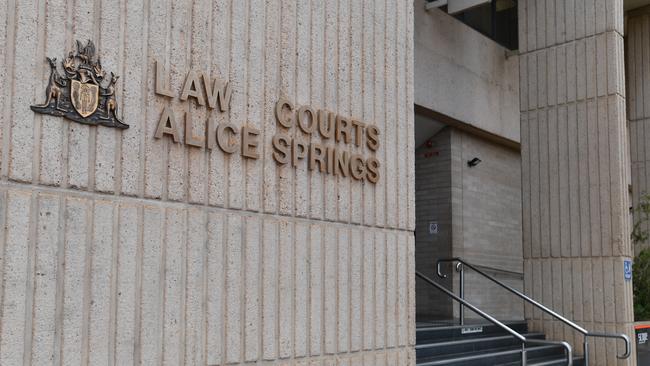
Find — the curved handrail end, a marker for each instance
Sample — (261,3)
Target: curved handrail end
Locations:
(445,260)
(569,352)
(624,337)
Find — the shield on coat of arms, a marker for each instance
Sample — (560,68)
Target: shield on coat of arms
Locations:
(84,97)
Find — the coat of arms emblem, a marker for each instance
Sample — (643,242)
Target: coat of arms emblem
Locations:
(84,93)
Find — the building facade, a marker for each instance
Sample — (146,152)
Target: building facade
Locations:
(218,182)
(150,245)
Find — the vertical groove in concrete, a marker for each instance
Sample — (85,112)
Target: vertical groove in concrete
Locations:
(575,165)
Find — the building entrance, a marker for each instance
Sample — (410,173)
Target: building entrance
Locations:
(468,204)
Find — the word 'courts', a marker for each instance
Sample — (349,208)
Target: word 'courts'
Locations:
(334,129)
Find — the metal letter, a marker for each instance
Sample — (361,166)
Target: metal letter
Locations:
(358,131)
(167,125)
(357,167)
(162,88)
(342,164)
(249,142)
(317,154)
(281,145)
(190,138)
(217,89)
(191,89)
(224,138)
(373,137)
(280,114)
(298,151)
(307,124)
(343,129)
(372,170)
(326,122)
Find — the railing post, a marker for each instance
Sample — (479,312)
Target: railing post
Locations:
(586,351)
(461,307)
(524,356)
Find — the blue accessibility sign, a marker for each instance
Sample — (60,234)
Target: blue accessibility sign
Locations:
(627,269)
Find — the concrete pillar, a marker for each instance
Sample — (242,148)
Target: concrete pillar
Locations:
(574,167)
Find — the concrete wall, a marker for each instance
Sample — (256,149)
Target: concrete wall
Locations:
(433,202)
(465,75)
(123,249)
(478,211)
(575,168)
(637,57)
(487,220)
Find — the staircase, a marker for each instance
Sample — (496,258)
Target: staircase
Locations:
(496,343)
(484,345)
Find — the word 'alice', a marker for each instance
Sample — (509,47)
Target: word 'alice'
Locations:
(330,126)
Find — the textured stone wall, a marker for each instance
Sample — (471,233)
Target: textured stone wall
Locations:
(487,220)
(478,211)
(123,249)
(575,163)
(637,57)
(433,202)
(465,75)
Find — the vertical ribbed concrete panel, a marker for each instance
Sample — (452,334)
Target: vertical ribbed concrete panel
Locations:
(117,248)
(576,221)
(637,57)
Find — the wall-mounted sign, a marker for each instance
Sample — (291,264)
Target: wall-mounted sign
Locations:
(84,93)
(471,330)
(642,345)
(332,155)
(627,269)
(433,227)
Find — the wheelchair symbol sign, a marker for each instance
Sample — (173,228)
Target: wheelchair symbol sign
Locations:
(627,268)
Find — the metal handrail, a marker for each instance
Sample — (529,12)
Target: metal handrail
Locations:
(568,351)
(585,332)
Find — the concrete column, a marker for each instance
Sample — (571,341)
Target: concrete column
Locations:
(574,167)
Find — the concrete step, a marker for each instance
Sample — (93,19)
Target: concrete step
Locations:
(426,335)
(457,346)
(550,361)
(505,356)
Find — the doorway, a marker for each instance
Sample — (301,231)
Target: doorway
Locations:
(467,204)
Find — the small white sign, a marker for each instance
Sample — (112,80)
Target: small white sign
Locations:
(433,227)
(471,330)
